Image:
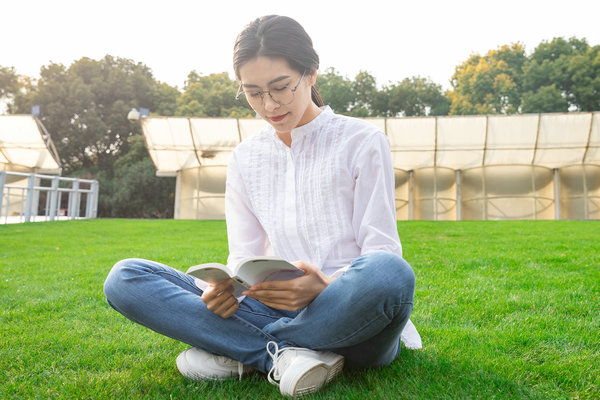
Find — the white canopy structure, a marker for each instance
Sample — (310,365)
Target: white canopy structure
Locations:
(26,146)
(531,166)
(30,186)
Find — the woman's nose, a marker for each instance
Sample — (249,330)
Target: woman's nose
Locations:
(269,103)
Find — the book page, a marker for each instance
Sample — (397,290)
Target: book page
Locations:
(262,270)
(215,273)
(211,273)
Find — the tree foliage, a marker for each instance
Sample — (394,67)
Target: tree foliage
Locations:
(9,86)
(364,87)
(558,76)
(414,96)
(489,84)
(9,82)
(336,91)
(570,67)
(212,96)
(362,98)
(132,189)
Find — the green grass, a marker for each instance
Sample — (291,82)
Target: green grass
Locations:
(506,310)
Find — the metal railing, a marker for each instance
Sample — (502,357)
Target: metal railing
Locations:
(20,195)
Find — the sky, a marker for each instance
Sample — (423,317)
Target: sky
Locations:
(391,40)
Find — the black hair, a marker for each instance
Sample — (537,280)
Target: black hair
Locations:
(277,36)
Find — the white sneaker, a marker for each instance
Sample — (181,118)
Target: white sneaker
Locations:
(302,371)
(198,364)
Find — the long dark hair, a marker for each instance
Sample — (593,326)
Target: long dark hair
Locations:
(277,36)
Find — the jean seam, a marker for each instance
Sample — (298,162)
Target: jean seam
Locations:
(254,327)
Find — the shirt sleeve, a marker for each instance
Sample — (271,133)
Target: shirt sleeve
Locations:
(374,217)
(245,234)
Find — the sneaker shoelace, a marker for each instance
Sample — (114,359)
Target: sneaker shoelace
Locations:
(240,370)
(275,372)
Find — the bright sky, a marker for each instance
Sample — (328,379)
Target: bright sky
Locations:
(391,39)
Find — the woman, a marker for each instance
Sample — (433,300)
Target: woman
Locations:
(315,187)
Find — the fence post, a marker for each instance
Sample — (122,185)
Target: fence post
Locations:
(29,201)
(96,186)
(77,200)
(89,203)
(53,198)
(94,206)
(73,194)
(2,183)
(35,200)
(458,196)
(178,180)
(411,195)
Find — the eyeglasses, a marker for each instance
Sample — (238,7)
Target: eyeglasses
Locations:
(282,95)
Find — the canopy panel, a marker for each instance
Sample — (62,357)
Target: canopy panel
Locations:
(26,145)
(456,142)
(178,143)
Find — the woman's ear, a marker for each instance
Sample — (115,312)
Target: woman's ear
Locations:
(312,77)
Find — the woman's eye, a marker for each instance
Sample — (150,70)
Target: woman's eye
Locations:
(279,89)
(253,94)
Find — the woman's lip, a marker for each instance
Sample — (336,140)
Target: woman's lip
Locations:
(277,118)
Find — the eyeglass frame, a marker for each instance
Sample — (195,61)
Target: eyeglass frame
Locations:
(262,92)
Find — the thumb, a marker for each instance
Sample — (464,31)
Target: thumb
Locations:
(304,266)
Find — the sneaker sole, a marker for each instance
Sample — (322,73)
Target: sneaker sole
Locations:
(334,362)
(311,374)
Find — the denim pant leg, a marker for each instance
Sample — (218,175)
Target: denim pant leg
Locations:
(360,315)
(168,302)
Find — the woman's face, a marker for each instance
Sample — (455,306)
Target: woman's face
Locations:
(266,73)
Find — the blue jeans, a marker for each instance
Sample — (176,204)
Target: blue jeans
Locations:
(360,315)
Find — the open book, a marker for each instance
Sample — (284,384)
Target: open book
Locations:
(247,272)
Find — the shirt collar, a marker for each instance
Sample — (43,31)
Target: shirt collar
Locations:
(306,129)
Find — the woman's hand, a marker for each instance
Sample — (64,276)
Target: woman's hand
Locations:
(292,294)
(219,299)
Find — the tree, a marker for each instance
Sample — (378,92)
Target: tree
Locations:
(489,84)
(212,96)
(132,189)
(9,85)
(584,71)
(560,75)
(336,91)
(361,98)
(85,107)
(547,72)
(365,92)
(164,99)
(9,82)
(414,96)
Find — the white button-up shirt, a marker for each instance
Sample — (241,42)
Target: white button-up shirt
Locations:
(326,199)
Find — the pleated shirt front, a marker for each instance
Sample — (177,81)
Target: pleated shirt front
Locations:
(326,199)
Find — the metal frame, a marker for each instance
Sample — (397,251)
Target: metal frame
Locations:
(28,210)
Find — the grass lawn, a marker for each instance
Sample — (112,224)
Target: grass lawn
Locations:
(506,310)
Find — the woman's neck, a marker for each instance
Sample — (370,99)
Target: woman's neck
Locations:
(311,113)
(285,137)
